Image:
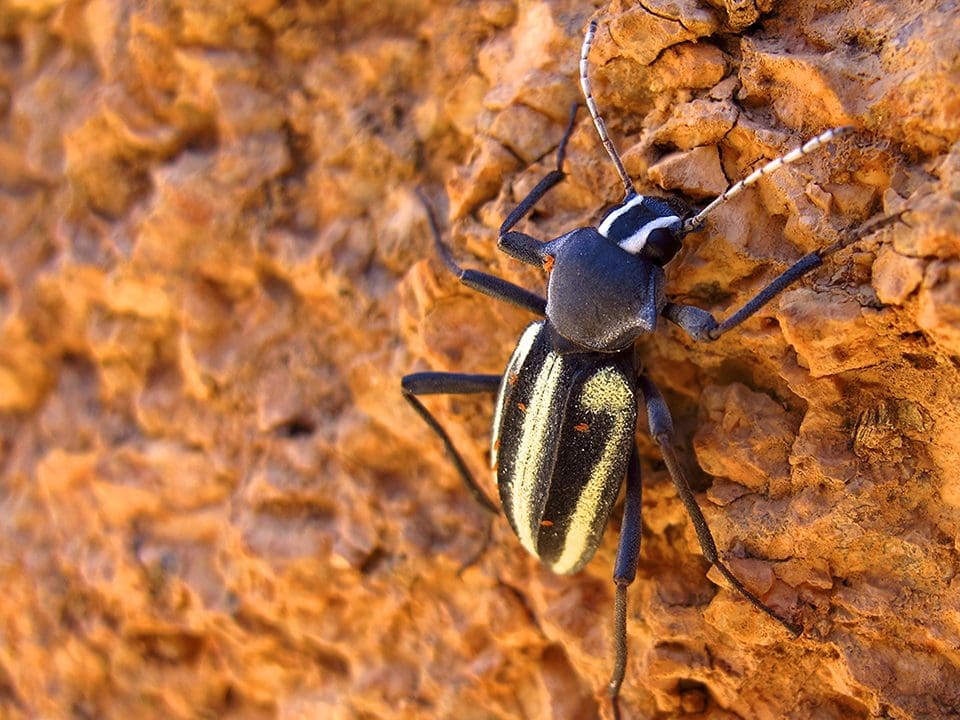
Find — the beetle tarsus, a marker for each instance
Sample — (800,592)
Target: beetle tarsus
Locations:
(450,383)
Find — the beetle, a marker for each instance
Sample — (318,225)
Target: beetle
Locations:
(566,404)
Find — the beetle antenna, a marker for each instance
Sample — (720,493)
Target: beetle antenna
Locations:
(691,224)
(628,188)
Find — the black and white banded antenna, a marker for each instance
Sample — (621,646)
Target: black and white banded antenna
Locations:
(693,223)
(628,188)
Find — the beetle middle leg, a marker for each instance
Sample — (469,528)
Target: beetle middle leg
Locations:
(661,428)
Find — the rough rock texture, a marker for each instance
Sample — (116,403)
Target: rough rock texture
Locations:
(214,271)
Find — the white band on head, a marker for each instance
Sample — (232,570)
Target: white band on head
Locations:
(635,242)
(604,228)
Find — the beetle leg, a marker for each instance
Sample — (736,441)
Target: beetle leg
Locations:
(491,285)
(504,291)
(697,322)
(625,570)
(520,245)
(439,383)
(661,428)
(702,326)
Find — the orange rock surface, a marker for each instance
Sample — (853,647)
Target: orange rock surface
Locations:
(214,271)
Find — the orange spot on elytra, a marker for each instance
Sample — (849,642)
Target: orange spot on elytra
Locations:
(582,427)
(548,261)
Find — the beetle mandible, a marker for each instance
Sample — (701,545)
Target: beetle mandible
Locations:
(566,404)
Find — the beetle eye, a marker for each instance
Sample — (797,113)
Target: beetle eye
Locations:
(661,246)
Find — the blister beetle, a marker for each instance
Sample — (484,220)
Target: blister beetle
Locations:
(566,405)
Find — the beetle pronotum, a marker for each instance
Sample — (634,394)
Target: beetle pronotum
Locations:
(566,405)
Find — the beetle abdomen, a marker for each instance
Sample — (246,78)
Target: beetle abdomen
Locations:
(563,433)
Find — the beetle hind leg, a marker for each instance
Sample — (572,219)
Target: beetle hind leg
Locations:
(440,383)
(661,428)
(625,570)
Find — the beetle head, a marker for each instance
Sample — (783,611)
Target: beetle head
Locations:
(646,226)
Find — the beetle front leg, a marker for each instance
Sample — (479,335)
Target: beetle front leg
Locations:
(485,283)
(661,428)
(523,247)
(438,383)
(703,327)
(624,572)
